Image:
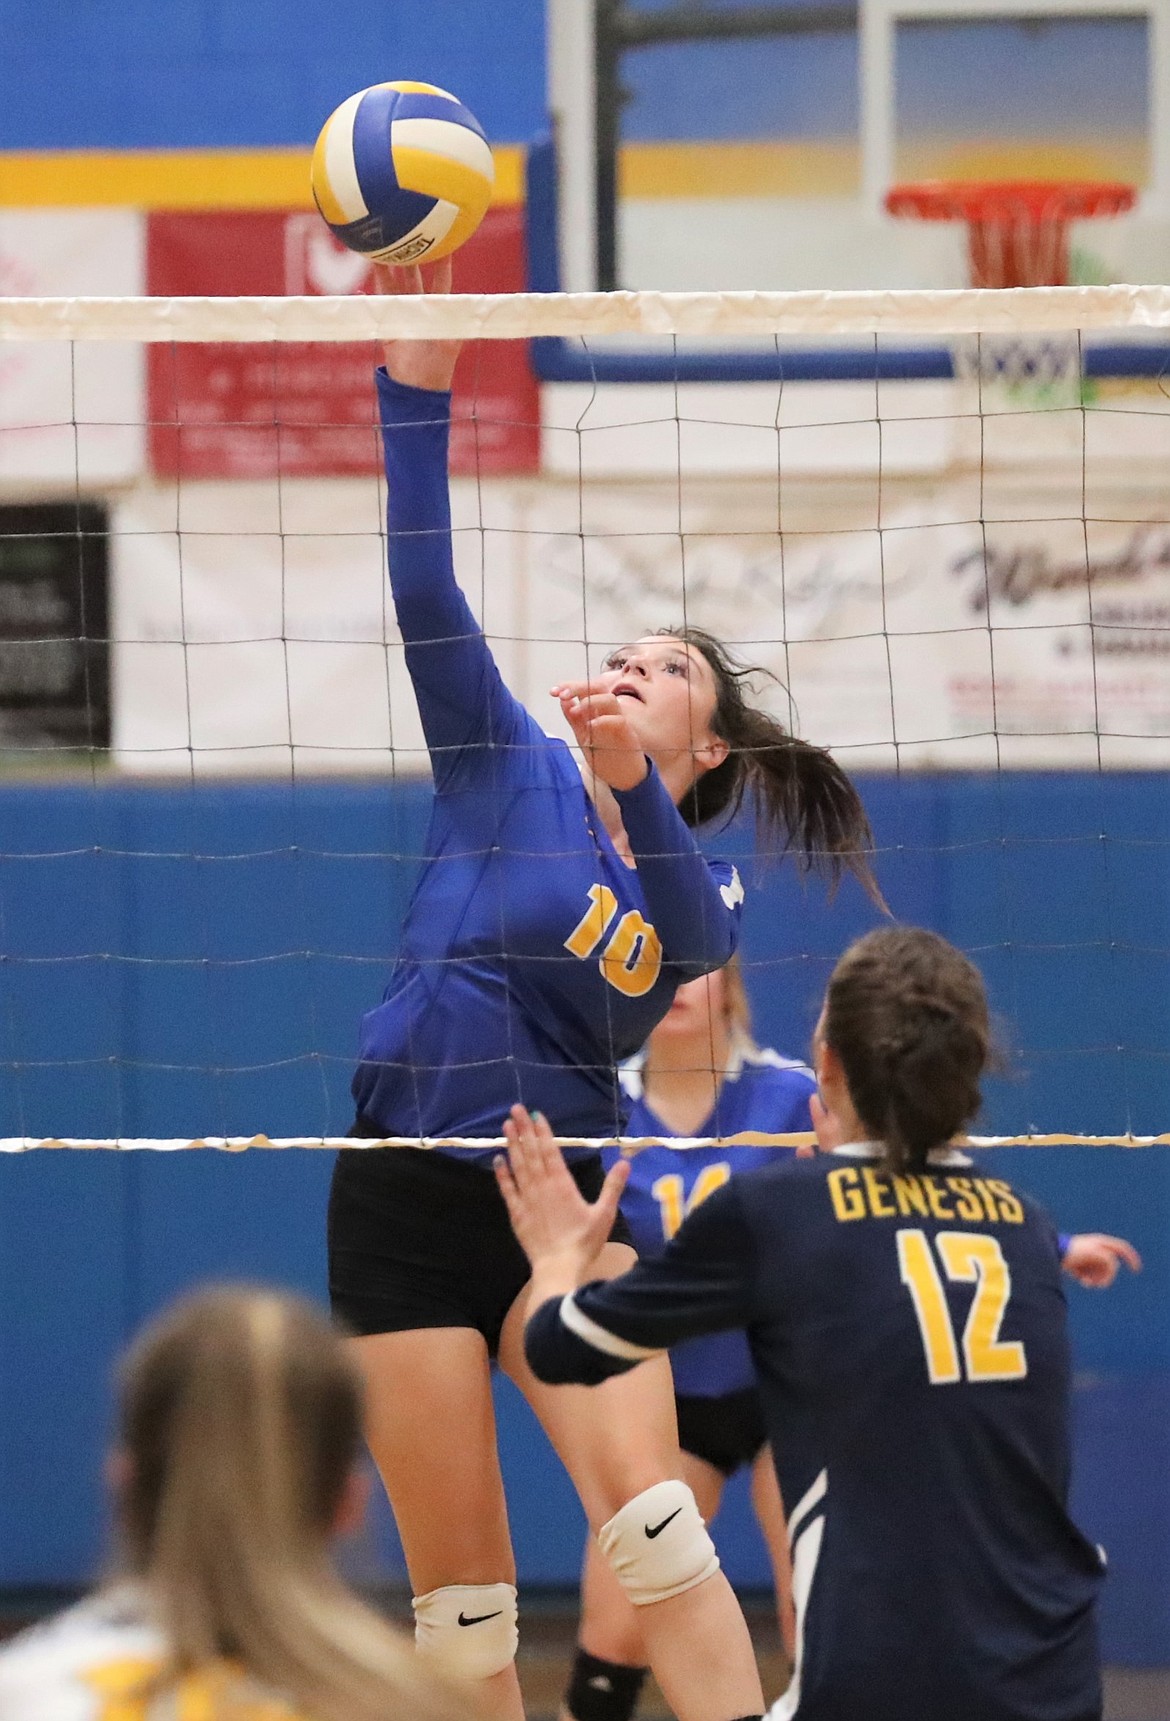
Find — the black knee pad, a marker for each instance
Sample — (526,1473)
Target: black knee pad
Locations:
(603,1690)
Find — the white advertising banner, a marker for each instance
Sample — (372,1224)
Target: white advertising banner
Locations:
(71,413)
(939,640)
(254,632)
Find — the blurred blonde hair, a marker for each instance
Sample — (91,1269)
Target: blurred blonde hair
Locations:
(736,1005)
(240,1425)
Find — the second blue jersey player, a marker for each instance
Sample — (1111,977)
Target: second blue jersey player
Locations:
(561,903)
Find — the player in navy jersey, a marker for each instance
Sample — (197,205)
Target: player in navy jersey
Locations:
(701,1074)
(559,908)
(909,1331)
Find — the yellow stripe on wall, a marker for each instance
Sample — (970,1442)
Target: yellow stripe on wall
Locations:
(1122,156)
(279,178)
(187,179)
(792,167)
(831,167)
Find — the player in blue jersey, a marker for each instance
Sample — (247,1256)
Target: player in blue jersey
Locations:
(701,1074)
(559,908)
(909,1331)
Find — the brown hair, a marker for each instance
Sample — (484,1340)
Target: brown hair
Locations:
(906,1014)
(240,1425)
(803,799)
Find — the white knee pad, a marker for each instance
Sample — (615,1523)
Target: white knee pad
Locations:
(658,1544)
(467,1631)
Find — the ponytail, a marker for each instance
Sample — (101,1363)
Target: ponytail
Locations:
(929,1084)
(804,801)
(907,1015)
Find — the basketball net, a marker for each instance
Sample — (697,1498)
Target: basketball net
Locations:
(1017,236)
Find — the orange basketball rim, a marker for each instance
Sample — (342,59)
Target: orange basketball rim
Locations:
(1017,230)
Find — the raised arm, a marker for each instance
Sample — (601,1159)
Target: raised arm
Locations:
(695,905)
(462,700)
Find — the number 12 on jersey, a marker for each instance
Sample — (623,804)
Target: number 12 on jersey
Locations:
(968,1257)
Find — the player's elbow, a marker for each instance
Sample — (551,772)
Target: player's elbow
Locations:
(558,1357)
(708,955)
(550,1369)
(566,1364)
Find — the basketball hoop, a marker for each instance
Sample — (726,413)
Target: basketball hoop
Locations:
(1017,236)
(1017,230)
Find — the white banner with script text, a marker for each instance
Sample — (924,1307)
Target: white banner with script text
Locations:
(254,632)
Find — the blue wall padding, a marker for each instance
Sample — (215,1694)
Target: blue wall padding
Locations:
(185,961)
(212,74)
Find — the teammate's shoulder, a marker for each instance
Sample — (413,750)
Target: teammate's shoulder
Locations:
(768,1067)
(113,1622)
(974,1164)
(630,1075)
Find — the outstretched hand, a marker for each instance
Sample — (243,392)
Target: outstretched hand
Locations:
(602,729)
(551,1218)
(1093,1259)
(419,364)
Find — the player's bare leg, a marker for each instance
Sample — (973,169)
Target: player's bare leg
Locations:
(430,1427)
(610,1627)
(773,1522)
(616,1440)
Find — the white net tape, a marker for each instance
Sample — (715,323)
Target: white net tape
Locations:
(629,1145)
(517,316)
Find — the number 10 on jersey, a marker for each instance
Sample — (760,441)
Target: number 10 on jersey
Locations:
(632,958)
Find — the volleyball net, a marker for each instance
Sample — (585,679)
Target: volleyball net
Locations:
(215,783)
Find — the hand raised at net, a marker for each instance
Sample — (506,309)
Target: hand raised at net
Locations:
(419,363)
(551,1218)
(603,732)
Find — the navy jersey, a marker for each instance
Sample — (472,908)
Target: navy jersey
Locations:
(533,960)
(910,1341)
(761,1091)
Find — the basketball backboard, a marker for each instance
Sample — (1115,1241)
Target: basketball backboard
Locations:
(760,159)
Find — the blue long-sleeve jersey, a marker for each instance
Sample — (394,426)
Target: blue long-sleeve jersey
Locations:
(762,1091)
(533,961)
(910,1341)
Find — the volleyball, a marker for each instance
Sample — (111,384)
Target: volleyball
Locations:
(402,172)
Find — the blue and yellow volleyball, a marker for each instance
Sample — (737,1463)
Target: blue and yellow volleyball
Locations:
(402,172)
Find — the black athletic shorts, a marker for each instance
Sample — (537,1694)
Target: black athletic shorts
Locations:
(727,1432)
(422,1239)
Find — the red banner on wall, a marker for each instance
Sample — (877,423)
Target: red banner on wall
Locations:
(228,410)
